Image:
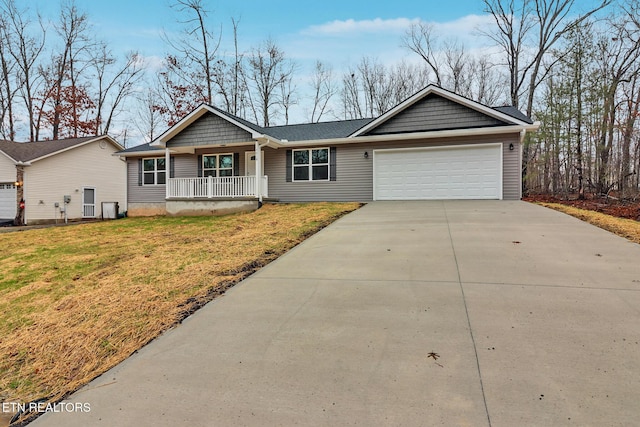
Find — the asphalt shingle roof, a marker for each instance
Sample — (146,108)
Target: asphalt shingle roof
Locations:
(140,148)
(313,131)
(27,151)
(514,112)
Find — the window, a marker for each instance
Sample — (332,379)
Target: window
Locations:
(217,165)
(154,171)
(311,165)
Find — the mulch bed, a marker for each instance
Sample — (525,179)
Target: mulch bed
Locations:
(629,209)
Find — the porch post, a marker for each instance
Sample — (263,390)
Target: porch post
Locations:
(167,170)
(258,171)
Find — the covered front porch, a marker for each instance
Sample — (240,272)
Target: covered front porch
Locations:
(210,187)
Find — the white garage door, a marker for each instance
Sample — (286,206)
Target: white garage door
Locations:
(7,200)
(461,172)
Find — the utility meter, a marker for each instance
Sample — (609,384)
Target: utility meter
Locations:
(67,199)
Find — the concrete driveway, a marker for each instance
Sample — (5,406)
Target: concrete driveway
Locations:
(457,313)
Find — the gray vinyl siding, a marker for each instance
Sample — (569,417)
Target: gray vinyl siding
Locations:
(354,173)
(434,113)
(511,167)
(141,193)
(184,166)
(207,130)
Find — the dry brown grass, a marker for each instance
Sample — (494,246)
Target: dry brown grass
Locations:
(75,301)
(626,228)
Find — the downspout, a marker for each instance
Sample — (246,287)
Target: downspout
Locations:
(523,134)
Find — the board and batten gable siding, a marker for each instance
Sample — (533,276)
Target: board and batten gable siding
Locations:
(354,173)
(7,169)
(47,181)
(209,129)
(434,113)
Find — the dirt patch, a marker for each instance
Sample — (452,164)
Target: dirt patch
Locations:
(629,209)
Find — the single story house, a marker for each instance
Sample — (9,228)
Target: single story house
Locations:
(434,145)
(66,179)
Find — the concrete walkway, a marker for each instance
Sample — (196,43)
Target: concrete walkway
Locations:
(457,313)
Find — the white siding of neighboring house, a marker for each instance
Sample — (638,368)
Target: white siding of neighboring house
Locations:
(7,169)
(7,195)
(48,180)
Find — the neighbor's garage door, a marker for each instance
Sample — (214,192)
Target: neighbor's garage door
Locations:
(7,200)
(460,172)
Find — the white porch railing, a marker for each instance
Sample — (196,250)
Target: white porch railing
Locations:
(212,187)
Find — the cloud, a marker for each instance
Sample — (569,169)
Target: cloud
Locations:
(351,26)
(465,26)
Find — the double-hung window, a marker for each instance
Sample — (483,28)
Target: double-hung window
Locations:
(311,164)
(217,165)
(154,171)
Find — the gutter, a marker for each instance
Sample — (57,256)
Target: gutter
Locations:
(498,130)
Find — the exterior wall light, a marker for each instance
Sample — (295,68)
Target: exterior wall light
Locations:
(511,147)
(366,154)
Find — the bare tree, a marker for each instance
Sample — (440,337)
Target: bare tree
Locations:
(149,118)
(228,78)
(350,95)
(26,50)
(7,89)
(73,29)
(113,87)
(451,66)
(268,69)
(515,21)
(372,88)
(421,39)
(323,89)
(619,64)
(198,47)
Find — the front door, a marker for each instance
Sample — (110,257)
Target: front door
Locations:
(88,202)
(250,170)
(250,163)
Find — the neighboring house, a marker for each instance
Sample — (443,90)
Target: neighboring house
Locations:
(42,173)
(434,145)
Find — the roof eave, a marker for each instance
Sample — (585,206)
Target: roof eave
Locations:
(14,161)
(497,130)
(89,141)
(187,120)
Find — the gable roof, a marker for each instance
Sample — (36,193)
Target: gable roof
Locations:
(24,152)
(346,131)
(433,89)
(161,141)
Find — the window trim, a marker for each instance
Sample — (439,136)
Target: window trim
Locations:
(310,164)
(155,171)
(217,168)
